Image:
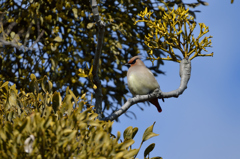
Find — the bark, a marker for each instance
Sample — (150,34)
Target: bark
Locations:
(96,80)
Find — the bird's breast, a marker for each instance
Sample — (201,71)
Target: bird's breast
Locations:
(140,84)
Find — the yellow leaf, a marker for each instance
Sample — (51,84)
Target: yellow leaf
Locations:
(53,48)
(4,84)
(58,39)
(149,135)
(131,153)
(118,45)
(82,73)
(90,72)
(12,34)
(32,76)
(94,86)
(145,11)
(75,11)
(83,96)
(90,25)
(127,143)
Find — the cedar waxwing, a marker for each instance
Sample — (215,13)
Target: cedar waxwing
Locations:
(141,80)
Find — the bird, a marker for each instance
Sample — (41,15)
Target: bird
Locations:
(141,80)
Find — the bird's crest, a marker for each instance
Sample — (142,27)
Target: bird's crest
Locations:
(133,59)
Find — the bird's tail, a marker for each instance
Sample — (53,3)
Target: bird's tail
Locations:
(155,102)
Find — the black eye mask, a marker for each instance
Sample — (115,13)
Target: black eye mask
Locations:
(134,61)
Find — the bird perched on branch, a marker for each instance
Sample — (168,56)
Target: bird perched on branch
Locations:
(141,80)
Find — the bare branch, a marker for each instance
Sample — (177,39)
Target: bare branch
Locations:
(15,45)
(27,34)
(96,80)
(37,40)
(185,73)
(10,27)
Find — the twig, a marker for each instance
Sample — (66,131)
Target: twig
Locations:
(11,44)
(15,45)
(27,34)
(37,40)
(10,26)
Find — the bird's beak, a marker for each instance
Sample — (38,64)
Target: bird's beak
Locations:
(127,64)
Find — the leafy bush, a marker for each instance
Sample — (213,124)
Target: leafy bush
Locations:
(39,124)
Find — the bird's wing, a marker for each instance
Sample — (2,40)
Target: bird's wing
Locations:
(142,81)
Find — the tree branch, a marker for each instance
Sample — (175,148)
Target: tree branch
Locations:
(96,80)
(37,40)
(22,47)
(14,43)
(10,27)
(185,73)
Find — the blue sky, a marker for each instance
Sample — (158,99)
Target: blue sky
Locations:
(204,122)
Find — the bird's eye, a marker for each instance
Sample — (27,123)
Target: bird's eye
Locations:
(134,61)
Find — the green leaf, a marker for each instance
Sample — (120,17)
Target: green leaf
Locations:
(43,83)
(49,86)
(99,136)
(25,125)
(204,3)
(150,128)
(34,84)
(147,136)
(134,132)
(56,101)
(149,149)
(41,20)
(12,98)
(48,121)
(127,134)
(10,116)
(131,153)
(8,127)
(48,111)
(67,104)
(118,135)
(72,135)
(74,97)
(3,135)
(66,132)
(93,123)
(80,106)
(93,116)
(119,155)
(148,133)
(127,143)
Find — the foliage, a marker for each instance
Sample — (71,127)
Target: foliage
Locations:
(176,29)
(68,43)
(39,124)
